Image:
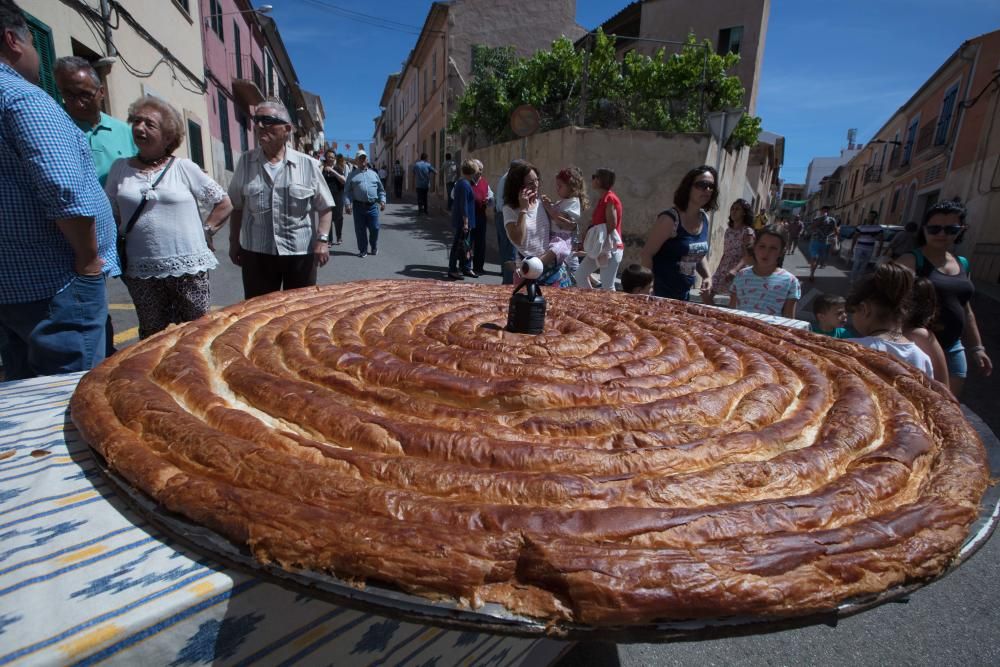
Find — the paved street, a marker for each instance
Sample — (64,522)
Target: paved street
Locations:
(952,622)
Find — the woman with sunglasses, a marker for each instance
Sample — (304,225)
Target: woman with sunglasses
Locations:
(678,243)
(957,332)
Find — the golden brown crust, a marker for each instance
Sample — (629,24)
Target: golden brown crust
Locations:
(640,460)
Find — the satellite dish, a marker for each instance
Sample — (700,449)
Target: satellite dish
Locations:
(525,120)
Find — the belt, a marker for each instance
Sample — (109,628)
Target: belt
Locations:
(358,202)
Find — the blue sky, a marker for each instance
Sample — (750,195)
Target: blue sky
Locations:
(828,66)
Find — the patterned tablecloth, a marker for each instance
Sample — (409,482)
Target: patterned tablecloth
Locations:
(83,579)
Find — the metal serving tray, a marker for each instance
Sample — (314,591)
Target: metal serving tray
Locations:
(495,619)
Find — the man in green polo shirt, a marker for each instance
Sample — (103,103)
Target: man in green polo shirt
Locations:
(82,91)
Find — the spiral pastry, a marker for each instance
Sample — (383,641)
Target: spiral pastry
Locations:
(640,460)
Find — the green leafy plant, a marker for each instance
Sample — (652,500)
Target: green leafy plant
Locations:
(664,93)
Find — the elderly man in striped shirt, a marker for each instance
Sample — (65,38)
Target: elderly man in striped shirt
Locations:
(276,192)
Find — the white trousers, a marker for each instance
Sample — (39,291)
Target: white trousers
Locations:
(608,272)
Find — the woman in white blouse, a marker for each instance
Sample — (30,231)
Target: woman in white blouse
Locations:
(168,250)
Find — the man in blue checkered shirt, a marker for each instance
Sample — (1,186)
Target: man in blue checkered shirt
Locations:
(56,227)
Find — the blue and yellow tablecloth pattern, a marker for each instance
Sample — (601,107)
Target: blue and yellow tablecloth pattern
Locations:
(85,580)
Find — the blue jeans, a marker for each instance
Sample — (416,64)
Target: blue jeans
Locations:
(366,225)
(62,334)
(958,365)
(507,253)
(859,265)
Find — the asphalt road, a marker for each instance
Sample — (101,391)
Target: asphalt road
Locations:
(955,621)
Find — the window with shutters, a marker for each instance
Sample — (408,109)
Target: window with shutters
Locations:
(42,35)
(215,18)
(944,119)
(911,138)
(239,50)
(194,143)
(227,146)
(730,40)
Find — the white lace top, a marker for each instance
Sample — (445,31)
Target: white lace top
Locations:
(168,238)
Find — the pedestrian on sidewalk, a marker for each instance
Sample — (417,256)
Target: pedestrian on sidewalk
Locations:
(795,228)
(765,287)
(484,198)
(450,176)
(335,175)
(57,231)
(736,252)
(957,330)
(397,180)
(276,192)
(506,250)
(364,197)
(866,237)
(822,233)
(422,171)
(607,212)
(157,200)
(463,219)
(678,244)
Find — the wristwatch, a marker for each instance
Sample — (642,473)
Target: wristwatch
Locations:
(209,230)
(325,238)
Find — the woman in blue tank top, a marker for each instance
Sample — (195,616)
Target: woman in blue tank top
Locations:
(677,246)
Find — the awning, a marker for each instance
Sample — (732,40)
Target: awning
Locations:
(793,203)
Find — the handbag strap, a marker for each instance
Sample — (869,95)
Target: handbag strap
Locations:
(142,205)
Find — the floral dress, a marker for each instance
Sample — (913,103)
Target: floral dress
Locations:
(734,247)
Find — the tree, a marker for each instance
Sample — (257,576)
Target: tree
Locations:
(661,93)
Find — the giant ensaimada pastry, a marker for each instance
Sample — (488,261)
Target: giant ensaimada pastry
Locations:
(642,459)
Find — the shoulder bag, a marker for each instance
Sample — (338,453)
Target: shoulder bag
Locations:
(120,240)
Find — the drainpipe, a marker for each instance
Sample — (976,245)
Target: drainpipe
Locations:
(109,47)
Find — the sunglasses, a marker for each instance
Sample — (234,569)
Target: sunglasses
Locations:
(269,121)
(704,185)
(950,230)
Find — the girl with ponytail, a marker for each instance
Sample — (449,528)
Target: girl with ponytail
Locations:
(879,307)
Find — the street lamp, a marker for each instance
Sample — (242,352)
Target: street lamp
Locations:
(263,9)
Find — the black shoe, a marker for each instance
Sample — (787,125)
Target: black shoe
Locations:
(374,251)
(455,275)
(469,273)
(362,254)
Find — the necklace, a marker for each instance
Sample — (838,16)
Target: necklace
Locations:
(152,163)
(895,335)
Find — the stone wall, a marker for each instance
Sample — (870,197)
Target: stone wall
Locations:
(648,166)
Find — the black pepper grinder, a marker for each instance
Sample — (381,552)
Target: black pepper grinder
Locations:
(526,311)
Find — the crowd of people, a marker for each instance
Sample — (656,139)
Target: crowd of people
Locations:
(88,197)
(915,304)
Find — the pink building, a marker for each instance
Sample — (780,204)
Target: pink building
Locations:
(236,63)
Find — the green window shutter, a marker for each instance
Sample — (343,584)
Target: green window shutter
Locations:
(42,35)
(194,143)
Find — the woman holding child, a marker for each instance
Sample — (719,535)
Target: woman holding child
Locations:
(529,227)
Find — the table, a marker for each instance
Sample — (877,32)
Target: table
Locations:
(83,579)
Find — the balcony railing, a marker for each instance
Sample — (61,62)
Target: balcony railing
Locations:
(873,174)
(248,81)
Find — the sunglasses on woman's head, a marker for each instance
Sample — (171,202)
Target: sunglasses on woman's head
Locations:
(704,185)
(269,121)
(950,230)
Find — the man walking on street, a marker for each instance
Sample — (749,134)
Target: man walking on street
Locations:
(397,180)
(365,196)
(450,176)
(57,230)
(422,171)
(275,192)
(822,234)
(866,237)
